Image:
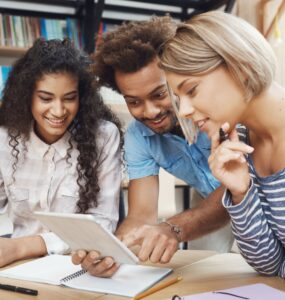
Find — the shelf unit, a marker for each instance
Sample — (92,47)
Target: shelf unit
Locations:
(12,51)
(92,12)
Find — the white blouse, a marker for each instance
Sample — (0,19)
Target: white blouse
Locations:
(45,181)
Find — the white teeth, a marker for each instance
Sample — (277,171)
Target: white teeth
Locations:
(56,121)
(201,123)
(158,121)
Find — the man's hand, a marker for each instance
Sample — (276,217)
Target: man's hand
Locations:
(158,243)
(94,264)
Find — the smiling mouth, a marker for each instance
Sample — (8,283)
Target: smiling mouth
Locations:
(201,123)
(157,121)
(56,122)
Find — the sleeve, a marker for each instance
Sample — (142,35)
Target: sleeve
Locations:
(54,244)
(140,163)
(109,178)
(257,242)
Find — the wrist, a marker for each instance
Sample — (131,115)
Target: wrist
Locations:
(236,199)
(30,246)
(238,196)
(176,229)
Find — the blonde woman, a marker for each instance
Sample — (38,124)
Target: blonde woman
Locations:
(222,72)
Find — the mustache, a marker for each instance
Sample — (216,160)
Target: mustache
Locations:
(159,116)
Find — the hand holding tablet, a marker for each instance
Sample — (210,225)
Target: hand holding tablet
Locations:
(80,231)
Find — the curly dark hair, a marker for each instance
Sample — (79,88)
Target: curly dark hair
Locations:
(130,47)
(56,56)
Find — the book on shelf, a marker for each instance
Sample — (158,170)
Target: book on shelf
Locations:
(129,280)
(4,72)
(22,31)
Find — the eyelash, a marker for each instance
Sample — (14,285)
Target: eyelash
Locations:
(161,94)
(133,103)
(49,99)
(71,98)
(45,99)
(192,91)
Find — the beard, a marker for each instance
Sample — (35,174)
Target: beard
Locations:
(169,122)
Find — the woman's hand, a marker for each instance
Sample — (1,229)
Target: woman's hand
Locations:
(228,164)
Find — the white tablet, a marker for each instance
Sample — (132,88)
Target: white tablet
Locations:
(81,231)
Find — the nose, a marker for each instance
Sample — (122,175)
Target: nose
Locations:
(186,109)
(58,108)
(151,110)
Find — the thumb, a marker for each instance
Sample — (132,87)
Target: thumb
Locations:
(234,135)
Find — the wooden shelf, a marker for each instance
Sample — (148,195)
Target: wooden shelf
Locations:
(12,51)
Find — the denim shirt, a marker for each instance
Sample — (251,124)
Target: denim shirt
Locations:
(146,152)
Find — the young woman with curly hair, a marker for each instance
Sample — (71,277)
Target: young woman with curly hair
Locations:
(59,148)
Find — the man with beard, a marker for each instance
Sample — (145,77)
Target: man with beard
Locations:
(127,61)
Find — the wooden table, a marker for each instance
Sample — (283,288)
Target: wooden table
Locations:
(217,272)
(201,271)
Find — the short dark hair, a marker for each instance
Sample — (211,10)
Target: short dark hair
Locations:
(130,47)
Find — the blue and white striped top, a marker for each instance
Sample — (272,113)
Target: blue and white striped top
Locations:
(258,222)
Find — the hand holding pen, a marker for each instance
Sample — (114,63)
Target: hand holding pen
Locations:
(227,161)
(223,136)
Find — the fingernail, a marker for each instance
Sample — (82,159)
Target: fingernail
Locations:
(226,125)
(109,262)
(81,254)
(93,255)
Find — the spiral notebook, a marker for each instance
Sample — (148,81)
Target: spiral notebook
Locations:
(129,280)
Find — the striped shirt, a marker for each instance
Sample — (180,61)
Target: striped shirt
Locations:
(258,222)
(45,181)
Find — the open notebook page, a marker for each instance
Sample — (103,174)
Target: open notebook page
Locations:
(129,280)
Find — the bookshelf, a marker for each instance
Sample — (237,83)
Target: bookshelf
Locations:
(91,12)
(12,51)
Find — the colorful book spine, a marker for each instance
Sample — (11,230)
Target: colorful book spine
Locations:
(4,73)
(19,31)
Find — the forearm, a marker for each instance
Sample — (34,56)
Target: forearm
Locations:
(209,216)
(254,235)
(142,204)
(132,222)
(31,246)
(15,249)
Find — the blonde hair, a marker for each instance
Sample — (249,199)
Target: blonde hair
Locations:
(215,38)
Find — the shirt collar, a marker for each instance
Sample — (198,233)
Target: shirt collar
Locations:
(39,146)
(146,131)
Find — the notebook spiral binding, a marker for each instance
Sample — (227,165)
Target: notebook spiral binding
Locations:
(73,275)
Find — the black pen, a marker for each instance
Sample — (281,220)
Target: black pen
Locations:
(223,135)
(18,289)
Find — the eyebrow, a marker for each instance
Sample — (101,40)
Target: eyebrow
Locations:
(180,85)
(51,94)
(150,93)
